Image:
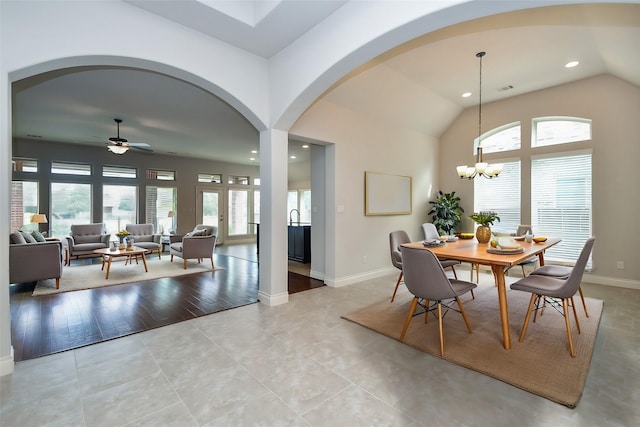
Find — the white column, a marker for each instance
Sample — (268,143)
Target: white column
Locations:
(6,351)
(273,217)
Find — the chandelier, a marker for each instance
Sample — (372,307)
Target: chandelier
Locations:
(481,168)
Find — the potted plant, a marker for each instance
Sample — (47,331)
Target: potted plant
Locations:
(446,212)
(484,220)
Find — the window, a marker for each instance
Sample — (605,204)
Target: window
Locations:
(561,202)
(256,206)
(161,175)
(500,195)
(503,138)
(159,202)
(238,216)
(119,172)
(70,204)
(301,201)
(559,130)
(208,177)
(119,206)
(70,168)
(256,181)
(238,180)
(25,165)
(24,203)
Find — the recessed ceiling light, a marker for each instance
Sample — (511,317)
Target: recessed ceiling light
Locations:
(571,64)
(305,146)
(254,151)
(466,94)
(252,158)
(292,157)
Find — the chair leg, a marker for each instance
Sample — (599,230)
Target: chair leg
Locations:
(397,284)
(528,316)
(584,305)
(171,259)
(567,323)
(440,328)
(57,283)
(464,315)
(212,266)
(426,313)
(454,272)
(414,304)
(184,262)
(575,314)
(524,273)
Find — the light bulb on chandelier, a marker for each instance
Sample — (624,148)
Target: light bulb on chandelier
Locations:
(481,167)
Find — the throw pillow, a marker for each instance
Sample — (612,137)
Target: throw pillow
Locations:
(17,238)
(28,237)
(38,236)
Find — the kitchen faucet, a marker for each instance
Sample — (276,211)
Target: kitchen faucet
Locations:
(290,216)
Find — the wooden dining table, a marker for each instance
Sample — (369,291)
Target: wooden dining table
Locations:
(476,253)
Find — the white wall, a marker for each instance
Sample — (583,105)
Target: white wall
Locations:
(614,107)
(363,144)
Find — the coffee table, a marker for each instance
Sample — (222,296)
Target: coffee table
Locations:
(108,255)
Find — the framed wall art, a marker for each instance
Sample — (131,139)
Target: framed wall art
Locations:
(387,194)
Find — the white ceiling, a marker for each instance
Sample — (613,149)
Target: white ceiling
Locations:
(418,85)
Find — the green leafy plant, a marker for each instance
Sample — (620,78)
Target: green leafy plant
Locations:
(485,218)
(446,212)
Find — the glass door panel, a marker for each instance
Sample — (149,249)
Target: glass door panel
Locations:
(209,210)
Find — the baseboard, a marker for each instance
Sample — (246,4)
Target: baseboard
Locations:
(316,275)
(6,364)
(273,300)
(361,277)
(611,281)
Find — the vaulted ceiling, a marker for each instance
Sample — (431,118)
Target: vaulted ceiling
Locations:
(417,85)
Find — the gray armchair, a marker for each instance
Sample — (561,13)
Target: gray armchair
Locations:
(144,237)
(84,239)
(197,244)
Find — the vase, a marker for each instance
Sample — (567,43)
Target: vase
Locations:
(483,234)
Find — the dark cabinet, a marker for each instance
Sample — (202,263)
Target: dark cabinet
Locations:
(300,243)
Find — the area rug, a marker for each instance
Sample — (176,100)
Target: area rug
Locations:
(78,277)
(541,364)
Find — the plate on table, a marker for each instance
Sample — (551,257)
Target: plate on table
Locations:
(432,243)
(518,238)
(509,251)
(452,238)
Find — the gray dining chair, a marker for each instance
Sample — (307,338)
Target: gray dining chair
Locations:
(432,289)
(560,271)
(397,238)
(555,291)
(431,233)
(521,231)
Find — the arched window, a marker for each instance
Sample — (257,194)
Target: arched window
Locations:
(559,130)
(503,138)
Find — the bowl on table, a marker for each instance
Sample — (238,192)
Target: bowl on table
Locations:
(539,239)
(467,235)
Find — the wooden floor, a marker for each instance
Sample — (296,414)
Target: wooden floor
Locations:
(52,323)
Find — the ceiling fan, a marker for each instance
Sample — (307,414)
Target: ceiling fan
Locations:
(119,145)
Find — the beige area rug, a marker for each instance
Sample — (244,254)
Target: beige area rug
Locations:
(78,277)
(541,364)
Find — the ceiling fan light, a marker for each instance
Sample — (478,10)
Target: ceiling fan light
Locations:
(117,149)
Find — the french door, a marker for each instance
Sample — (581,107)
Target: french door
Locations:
(210,210)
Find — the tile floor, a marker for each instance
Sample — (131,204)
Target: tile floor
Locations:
(300,364)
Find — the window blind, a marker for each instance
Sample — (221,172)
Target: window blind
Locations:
(500,195)
(561,203)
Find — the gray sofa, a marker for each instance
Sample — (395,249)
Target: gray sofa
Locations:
(31,260)
(144,237)
(84,239)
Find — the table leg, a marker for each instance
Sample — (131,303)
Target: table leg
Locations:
(108,266)
(498,272)
(144,261)
(541,258)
